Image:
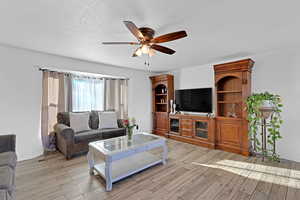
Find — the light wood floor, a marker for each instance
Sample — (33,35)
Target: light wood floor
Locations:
(192,172)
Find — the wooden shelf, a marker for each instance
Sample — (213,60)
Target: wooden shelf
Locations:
(229,91)
(161,103)
(228,118)
(173,132)
(160,94)
(201,129)
(235,102)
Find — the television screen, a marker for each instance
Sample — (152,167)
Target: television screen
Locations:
(194,100)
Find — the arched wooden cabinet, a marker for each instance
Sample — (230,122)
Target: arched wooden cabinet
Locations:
(233,86)
(162,93)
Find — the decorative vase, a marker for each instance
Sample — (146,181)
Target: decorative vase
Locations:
(129,133)
(171,107)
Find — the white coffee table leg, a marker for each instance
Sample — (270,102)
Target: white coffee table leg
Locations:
(90,157)
(165,153)
(108,176)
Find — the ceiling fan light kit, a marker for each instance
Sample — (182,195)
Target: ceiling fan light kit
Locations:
(147,42)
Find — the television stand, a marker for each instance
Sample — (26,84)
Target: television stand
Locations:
(194,129)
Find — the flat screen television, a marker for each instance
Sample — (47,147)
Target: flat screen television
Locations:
(194,100)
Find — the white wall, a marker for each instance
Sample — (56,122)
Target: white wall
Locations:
(20,88)
(276,72)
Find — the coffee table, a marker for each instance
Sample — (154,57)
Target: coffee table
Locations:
(122,157)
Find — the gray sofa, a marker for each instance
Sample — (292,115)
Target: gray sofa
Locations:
(8,162)
(72,143)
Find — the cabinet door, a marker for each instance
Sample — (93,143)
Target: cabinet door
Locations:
(161,121)
(174,126)
(200,129)
(229,133)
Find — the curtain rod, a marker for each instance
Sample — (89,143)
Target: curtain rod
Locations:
(79,73)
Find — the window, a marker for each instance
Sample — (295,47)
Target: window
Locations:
(87,94)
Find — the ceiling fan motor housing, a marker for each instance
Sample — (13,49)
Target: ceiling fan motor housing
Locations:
(147,32)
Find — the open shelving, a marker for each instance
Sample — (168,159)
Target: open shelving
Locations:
(229,97)
(161,98)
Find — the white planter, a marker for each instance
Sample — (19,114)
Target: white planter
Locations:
(267,108)
(267,104)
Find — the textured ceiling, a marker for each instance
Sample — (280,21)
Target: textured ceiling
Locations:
(217,30)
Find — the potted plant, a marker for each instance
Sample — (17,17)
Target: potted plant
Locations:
(130,124)
(260,107)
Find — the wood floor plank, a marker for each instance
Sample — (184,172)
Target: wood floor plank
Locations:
(191,172)
(280,182)
(242,171)
(293,192)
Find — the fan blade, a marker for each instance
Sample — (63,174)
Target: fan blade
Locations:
(134,30)
(163,49)
(130,43)
(169,37)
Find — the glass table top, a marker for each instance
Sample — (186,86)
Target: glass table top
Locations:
(122,143)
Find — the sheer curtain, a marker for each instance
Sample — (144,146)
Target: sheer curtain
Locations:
(87,94)
(116,96)
(53,101)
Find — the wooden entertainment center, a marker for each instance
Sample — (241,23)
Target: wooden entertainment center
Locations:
(227,130)
(193,129)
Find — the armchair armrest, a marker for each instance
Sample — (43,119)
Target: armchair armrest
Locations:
(7,143)
(65,131)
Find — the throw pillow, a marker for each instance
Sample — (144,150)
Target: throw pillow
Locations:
(79,121)
(108,120)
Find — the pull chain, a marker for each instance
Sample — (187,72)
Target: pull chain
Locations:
(147,63)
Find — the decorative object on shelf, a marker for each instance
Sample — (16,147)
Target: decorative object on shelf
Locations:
(232,113)
(264,110)
(130,124)
(171,106)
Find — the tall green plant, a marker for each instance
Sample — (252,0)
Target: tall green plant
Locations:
(254,103)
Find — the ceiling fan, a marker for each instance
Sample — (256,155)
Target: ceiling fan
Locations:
(146,41)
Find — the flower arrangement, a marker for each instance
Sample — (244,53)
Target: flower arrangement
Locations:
(130,124)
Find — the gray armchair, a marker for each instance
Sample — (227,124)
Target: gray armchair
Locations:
(8,161)
(7,143)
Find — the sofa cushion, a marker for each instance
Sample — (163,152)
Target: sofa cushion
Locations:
(112,132)
(94,119)
(64,118)
(93,135)
(8,158)
(79,121)
(88,136)
(7,178)
(107,120)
